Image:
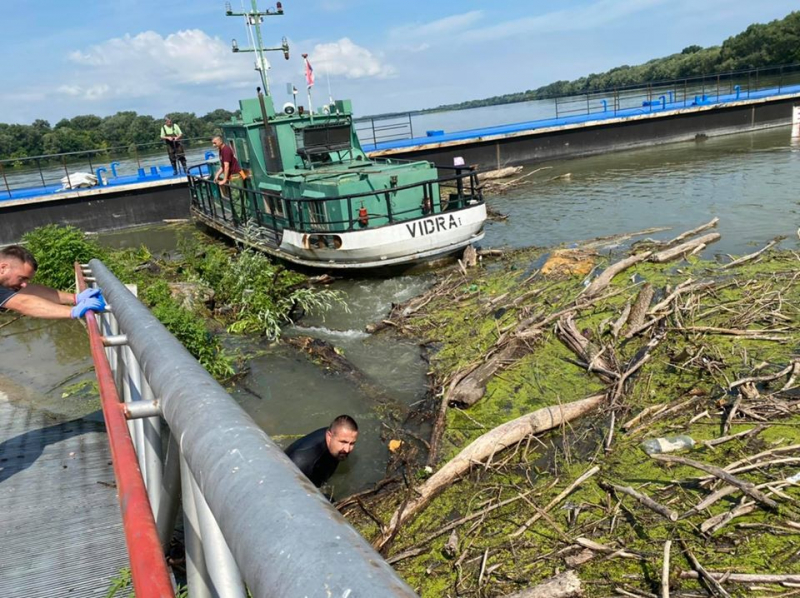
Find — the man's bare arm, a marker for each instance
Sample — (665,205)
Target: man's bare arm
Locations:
(52,295)
(35,306)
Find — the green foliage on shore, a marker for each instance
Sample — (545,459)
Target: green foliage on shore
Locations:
(123,130)
(244,290)
(760,45)
(56,249)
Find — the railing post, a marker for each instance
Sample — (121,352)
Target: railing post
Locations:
(5,180)
(167,509)
(374,139)
(410,127)
(196,572)
(41,174)
(223,574)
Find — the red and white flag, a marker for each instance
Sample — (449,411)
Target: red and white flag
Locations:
(309,72)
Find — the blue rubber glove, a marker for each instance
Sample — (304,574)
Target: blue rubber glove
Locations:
(96,304)
(88,293)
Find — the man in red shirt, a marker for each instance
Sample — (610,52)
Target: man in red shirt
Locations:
(229,172)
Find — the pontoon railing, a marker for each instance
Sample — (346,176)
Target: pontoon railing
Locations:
(618,100)
(252,521)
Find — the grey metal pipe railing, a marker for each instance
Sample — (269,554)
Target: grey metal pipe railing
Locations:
(286,538)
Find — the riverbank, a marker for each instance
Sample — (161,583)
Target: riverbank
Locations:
(691,347)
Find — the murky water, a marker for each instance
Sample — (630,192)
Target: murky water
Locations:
(750,181)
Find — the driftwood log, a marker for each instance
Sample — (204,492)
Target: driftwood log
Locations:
(693,232)
(601,282)
(325,355)
(565,585)
(482,449)
(677,252)
(641,306)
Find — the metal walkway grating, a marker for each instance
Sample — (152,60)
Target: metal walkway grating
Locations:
(60,523)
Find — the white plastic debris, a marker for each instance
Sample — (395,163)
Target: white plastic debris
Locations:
(78,180)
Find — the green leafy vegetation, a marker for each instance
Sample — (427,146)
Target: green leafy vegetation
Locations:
(243,290)
(88,132)
(57,248)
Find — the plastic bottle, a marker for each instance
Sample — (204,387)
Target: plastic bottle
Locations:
(666,444)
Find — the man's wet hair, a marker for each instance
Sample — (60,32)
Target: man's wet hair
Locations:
(344,421)
(18,252)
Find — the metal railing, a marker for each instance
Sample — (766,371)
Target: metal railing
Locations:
(239,206)
(384,128)
(622,100)
(46,171)
(252,521)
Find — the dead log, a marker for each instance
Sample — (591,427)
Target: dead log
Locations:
(472,387)
(500,173)
(641,306)
(325,355)
(602,281)
(482,449)
(565,585)
(746,577)
(693,232)
(751,256)
(676,252)
(470,257)
(569,334)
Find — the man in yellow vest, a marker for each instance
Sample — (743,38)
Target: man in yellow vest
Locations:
(171,134)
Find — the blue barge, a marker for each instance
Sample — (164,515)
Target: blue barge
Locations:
(613,125)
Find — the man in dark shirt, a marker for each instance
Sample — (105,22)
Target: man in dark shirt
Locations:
(318,454)
(229,170)
(17,267)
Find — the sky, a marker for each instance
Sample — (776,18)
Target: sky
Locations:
(64,58)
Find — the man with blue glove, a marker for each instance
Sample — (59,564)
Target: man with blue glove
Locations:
(17,267)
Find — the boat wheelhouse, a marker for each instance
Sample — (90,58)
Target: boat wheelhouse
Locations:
(311,195)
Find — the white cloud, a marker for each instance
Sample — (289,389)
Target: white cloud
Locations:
(146,63)
(444,26)
(344,58)
(587,17)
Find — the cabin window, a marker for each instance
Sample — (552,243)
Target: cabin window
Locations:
(317,142)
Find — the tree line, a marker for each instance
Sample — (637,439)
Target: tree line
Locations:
(760,45)
(89,132)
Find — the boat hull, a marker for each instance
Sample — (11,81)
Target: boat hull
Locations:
(406,242)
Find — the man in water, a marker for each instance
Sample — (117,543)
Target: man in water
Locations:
(318,454)
(17,267)
(171,134)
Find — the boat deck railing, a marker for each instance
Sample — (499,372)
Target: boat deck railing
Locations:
(621,99)
(266,214)
(40,175)
(253,524)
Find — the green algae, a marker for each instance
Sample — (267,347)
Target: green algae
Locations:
(690,368)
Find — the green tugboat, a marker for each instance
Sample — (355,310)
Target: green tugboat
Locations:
(312,196)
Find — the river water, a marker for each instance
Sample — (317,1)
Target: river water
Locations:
(750,181)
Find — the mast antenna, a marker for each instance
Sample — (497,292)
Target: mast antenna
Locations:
(253,19)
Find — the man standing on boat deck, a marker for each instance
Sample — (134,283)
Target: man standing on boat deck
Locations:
(318,454)
(171,134)
(17,267)
(229,170)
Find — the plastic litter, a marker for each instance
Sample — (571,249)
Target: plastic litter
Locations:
(666,444)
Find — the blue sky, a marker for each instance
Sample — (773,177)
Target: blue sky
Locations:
(63,58)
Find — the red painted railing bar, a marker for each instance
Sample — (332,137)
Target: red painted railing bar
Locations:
(148,567)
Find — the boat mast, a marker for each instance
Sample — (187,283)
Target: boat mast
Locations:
(254,19)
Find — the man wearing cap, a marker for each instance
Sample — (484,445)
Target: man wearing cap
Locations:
(171,134)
